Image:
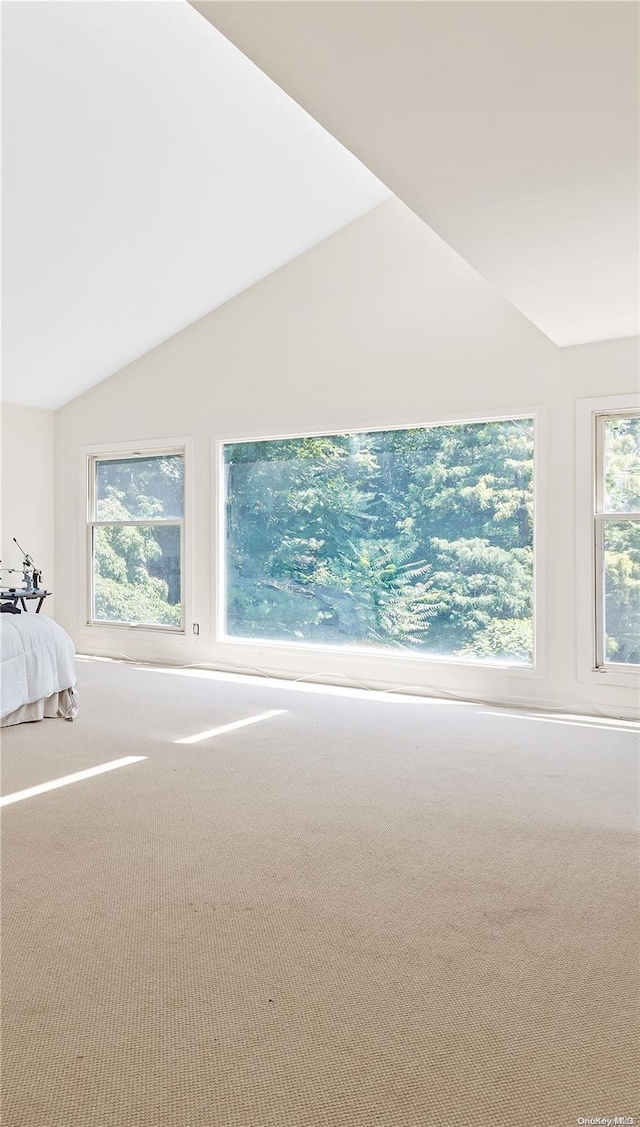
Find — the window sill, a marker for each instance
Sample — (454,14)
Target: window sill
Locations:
(145,630)
(378,656)
(611,677)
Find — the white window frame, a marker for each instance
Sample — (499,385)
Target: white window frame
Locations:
(89,457)
(535,671)
(591,519)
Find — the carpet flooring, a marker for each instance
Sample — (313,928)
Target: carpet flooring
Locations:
(357,912)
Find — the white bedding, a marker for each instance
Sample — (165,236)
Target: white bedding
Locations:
(37,659)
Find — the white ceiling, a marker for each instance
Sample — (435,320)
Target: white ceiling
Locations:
(510,128)
(150,172)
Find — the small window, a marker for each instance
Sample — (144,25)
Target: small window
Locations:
(418,541)
(135,540)
(617,540)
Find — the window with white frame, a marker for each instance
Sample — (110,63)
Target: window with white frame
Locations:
(135,539)
(617,539)
(419,540)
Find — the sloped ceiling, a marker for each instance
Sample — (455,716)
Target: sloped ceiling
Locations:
(510,128)
(150,172)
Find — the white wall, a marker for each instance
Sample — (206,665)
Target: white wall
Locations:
(381,324)
(591,371)
(27,490)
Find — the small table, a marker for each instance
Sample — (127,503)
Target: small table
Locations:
(17,595)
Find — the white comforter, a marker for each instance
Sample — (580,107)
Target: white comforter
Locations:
(37,659)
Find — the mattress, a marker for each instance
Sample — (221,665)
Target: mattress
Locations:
(37,660)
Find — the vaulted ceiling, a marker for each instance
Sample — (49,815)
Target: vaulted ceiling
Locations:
(156,163)
(510,128)
(150,172)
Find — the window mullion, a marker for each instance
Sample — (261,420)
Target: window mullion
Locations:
(141,520)
(599,464)
(93,469)
(599,591)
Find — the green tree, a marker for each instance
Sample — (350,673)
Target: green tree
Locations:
(622,539)
(420,538)
(136,567)
(622,592)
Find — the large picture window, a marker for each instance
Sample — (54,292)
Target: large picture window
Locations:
(420,540)
(135,539)
(617,540)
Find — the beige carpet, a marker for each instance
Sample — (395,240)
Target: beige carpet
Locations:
(356,913)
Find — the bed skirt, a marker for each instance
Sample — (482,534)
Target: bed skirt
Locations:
(62,704)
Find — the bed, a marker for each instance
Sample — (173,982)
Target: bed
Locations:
(37,669)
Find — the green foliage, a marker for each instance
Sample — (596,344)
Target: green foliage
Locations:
(146,488)
(622,540)
(622,591)
(136,567)
(420,539)
(622,464)
(502,639)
